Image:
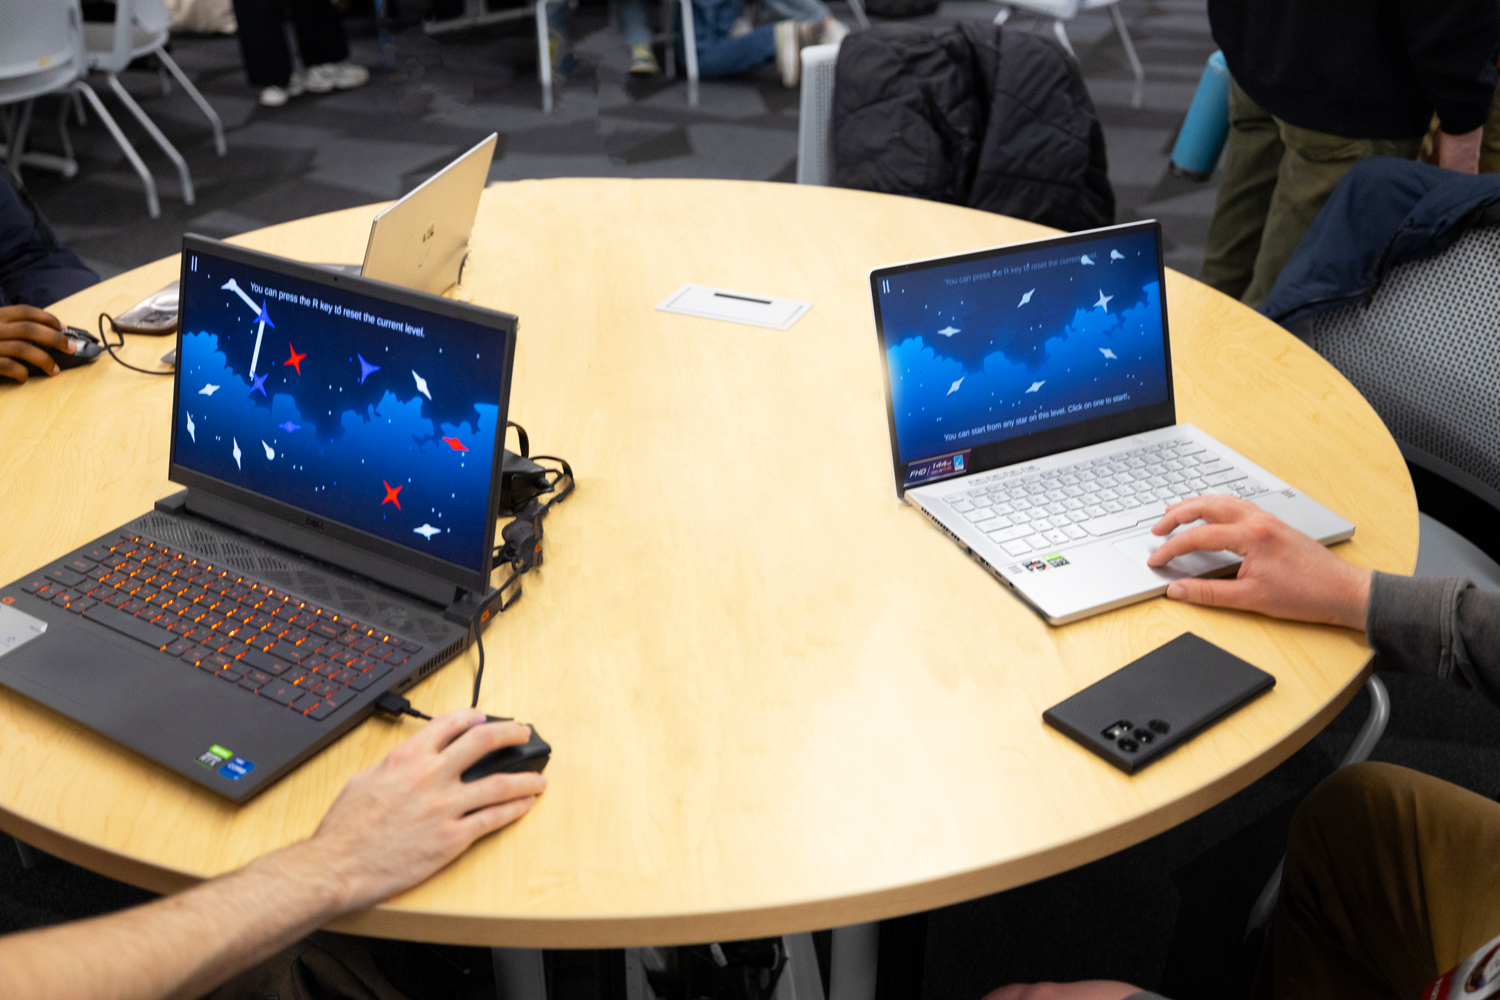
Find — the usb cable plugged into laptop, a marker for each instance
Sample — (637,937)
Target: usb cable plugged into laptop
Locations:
(394,705)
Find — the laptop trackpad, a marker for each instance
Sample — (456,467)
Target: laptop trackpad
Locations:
(1137,549)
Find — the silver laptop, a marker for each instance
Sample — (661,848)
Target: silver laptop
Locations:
(1029,395)
(422,241)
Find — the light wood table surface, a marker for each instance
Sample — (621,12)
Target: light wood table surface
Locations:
(779,699)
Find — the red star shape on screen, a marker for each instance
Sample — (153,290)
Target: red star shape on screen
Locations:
(390,494)
(295,360)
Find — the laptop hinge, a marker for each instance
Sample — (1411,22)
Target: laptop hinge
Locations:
(386,572)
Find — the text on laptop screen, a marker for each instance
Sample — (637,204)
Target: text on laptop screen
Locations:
(1022,341)
(364,411)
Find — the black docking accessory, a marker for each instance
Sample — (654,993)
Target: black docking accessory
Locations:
(1153,705)
(88,351)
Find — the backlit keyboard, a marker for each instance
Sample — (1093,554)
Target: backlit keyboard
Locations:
(1059,507)
(262,640)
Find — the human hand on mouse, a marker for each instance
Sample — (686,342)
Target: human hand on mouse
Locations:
(1285,573)
(24,331)
(395,824)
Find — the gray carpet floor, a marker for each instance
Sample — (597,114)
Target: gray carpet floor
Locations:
(431,97)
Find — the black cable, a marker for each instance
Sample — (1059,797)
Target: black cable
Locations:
(521,437)
(104,339)
(478,674)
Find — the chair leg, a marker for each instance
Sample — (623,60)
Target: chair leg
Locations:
(62,132)
(860,18)
(18,130)
(156,134)
(1364,744)
(1138,94)
(197,98)
(669,28)
(153,204)
(1062,36)
(543,56)
(1375,722)
(690,51)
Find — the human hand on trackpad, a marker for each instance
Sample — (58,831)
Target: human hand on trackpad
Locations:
(1139,548)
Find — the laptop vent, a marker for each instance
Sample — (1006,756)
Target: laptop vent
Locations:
(361,600)
(454,648)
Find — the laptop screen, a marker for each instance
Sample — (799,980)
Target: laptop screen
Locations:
(1003,355)
(364,409)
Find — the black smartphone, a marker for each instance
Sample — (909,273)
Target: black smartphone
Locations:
(1153,705)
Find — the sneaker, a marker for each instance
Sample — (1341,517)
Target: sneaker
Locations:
(275,97)
(832,31)
(336,76)
(788,52)
(643,61)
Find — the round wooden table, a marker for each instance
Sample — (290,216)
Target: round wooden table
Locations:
(779,699)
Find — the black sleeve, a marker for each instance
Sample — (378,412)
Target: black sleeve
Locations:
(1447,628)
(1452,45)
(35,270)
(1145,995)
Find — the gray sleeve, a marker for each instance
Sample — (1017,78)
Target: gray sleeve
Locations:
(1446,628)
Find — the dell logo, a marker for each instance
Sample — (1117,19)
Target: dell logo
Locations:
(313,522)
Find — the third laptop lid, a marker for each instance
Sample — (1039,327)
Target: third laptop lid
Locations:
(421,241)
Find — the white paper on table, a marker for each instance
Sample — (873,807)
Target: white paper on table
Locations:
(736,307)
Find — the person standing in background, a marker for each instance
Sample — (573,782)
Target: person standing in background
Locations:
(1316,87)
(321,43)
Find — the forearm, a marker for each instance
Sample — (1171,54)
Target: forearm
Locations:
(1446,628)
(183,945)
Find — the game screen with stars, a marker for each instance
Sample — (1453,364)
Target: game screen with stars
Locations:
(367,412)
(993,348)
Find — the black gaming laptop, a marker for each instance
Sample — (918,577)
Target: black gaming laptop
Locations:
(340,443)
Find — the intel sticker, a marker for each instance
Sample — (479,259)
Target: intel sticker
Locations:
(236,768)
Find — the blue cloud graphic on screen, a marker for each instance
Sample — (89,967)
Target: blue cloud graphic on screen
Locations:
(381,431)
(980,353)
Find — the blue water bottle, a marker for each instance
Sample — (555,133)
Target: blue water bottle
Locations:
(1201,139)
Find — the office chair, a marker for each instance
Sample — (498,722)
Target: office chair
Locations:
(141,28)
(1425,351)
(42,52)
(1065,10)
(815,117)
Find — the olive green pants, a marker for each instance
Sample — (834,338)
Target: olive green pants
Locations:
(1276,178)
(1392,878)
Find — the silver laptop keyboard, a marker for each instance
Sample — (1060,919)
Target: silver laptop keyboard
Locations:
(1073,503)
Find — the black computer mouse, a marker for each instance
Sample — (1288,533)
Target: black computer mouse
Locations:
(529,756)
(88,351)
